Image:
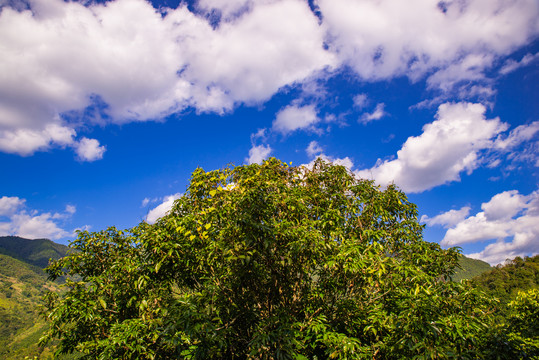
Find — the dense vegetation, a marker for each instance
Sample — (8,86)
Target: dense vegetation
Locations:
(514,333)
(276,262)
(505,281)
(22,285)
(269,262)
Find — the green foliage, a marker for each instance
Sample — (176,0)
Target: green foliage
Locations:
(516,333)
(268,262)
(505,281)
(469,268)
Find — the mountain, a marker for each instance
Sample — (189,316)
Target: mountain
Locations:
(35,252)
(470,268)
(22,285)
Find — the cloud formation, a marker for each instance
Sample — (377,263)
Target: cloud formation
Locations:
(294,117)
(509,218)
(447,147)
(258,153)
(130,62)
(16,219)
(383,39)
(376,114)
(161,209)
(89,149)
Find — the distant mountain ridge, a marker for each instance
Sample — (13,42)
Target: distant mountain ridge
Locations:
(35,252)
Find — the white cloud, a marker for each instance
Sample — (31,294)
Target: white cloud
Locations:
(386,38)
(89,149)
(447,219)
(289,48)
(511,65)
(62,57)
(470,67)
(346,161)
(161,209)
(293,118)
(517,136)
(71,209)
(447,147)
(360,101)
(31,224)
(10,204)
(145,202)
(314,149)
(135,63)
(504,206)
(377,114)
(258,153)
(25,142)
(507,215)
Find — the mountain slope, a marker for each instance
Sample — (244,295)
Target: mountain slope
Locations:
(470,268)
(21,288)
(22,285)
(36,252)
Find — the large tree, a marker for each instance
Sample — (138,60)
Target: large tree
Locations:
(268,262)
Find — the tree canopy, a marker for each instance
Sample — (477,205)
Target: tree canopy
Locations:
(268,262)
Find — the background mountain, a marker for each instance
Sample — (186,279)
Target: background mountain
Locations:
(22,284)
(35,252)
(470,268)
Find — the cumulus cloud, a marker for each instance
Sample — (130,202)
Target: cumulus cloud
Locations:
(313,149)
(26,141)
(145,202)
(161,209)
(376,114)
(346,161)
(89,150)
(294,117)
(447,147)
(133,62)
(509,218)
(258,153)
(386,38)
(447,219)
(10,204)
(16,219)
(142,64)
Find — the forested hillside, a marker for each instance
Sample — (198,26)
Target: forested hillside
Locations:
(23,283)
(36,252)
(506,280)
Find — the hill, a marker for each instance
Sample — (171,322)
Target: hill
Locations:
(504,281)
(35,252)
(470,268)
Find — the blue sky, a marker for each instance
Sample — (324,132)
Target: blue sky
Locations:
(106,107)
